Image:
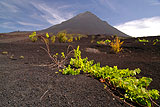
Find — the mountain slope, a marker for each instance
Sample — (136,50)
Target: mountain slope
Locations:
(85,23)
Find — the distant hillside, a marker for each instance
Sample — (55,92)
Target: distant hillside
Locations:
(85,23)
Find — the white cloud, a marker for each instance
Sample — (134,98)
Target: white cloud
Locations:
(53,15)
(8,6)
(8,25)
(29,24)
(154,2)
(107,3)
(141,27)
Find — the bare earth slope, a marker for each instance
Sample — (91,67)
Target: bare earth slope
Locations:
(23,82)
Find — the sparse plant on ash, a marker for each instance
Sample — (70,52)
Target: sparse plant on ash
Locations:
(70,37)
(56,61)
(101,42)
(4,52)
(143,40)
(116,45)
(107,41)
(33,37)
(135,89)
(155,41)
(53,38)
(62,36)
(75,38)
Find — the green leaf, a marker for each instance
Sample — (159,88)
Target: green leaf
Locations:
(149,104)
(154,94)
(135,89)
(47,35)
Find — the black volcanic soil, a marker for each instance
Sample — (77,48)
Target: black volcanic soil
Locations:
(29,83)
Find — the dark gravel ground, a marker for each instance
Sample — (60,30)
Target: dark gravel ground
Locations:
(29,83)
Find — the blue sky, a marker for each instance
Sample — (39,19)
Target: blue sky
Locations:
(133,17)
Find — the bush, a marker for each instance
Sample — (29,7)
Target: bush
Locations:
(53,38)
(57,61)
(62,36)
(143,40)
(155,41)
(104,42)
(135,89)
(116,45)
(33,37)
(70,37)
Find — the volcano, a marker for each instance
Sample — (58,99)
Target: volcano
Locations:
(85,23)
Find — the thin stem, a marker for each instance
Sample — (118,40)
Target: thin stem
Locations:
(154,102)
(43,95)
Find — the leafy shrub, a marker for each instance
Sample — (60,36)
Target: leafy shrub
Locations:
(135,89)
(107,41)
(62,36)
(75,38)
(155,41)
(57,61)
(143,40)
(33,37)
(47,35)
(70,38)
(71,71)
(79,37)
(53,39)
(101,42)
(116,45)
(4,52)
(21,57)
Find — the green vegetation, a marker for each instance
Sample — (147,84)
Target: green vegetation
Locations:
(11,57)
(70,38)
(4,52)
(62,36)
(155,41)
(79,37)
(75,38)
(143,40)
(115,44)
(107,41)
(146,41)
(57,60)
(21,57)
(53,38)
(135,89)
(33,37)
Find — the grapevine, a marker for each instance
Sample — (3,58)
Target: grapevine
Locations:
(135,89)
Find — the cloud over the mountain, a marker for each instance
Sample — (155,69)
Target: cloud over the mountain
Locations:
(155,2)
(29,24)
(108,3)
(24,14)
(141,27)
(53,15)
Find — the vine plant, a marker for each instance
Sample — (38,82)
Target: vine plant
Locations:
(135,89)
(56,61)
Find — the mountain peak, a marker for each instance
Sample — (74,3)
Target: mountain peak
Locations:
(85,23)
(87,13)
(86,16)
